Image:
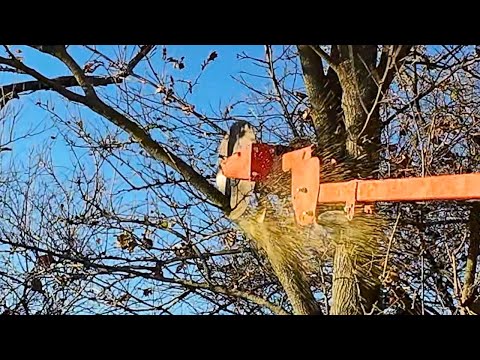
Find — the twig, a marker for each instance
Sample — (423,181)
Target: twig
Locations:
(271,71)
(390,241)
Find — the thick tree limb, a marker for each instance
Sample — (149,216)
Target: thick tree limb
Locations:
(324,95)
(46,81)
(144,50)
(60,52)
(352,292)
(12,91)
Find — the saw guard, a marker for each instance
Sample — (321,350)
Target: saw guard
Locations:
(237,165)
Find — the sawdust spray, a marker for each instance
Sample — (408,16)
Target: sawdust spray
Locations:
(295,251)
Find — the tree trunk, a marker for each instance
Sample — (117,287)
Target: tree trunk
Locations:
(352,86)
(296,287)
(350,294)
(468,293)
(345,294)
(284,253)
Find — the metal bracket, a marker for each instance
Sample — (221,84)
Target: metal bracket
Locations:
(352,201)
(368,208)
(305,183)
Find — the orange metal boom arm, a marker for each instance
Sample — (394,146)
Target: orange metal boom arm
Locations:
(441,187)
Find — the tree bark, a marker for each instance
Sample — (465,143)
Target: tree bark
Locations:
(324,93)
(351,296)
(345,102)
(296,287)
(285,255)
(345,294)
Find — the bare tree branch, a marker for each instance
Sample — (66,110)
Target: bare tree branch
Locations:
(398,56)
(151,275)
(268,56)
(144,51)
(139,134)
(12,91)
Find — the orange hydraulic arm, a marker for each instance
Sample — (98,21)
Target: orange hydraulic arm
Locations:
(255,161)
